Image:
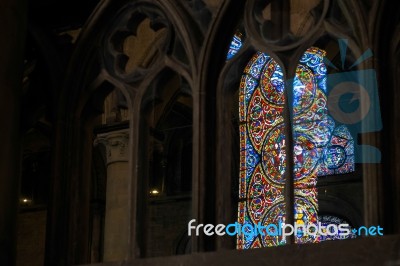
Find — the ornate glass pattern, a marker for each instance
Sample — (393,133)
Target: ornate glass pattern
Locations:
(319,148)
(311,131)
(326,220)
(338,156)
(262,149)
(235,45)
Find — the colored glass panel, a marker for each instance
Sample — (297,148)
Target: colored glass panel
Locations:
(326,220)
(338,155)
(319,147)
(311,131)
(262,150)
(235,46)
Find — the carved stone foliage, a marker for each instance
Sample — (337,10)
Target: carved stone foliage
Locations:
(116,144)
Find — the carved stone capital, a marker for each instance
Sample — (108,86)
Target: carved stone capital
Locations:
(116,144)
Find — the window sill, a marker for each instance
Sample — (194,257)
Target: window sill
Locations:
(383,251)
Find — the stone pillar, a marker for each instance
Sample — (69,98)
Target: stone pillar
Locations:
(12,28)
(117,218)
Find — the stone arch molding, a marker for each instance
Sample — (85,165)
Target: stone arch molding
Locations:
(125,43)
(108,56)
(146,37)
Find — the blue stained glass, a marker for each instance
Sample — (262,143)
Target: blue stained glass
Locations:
(311,118)
(256,65)
(274,156)
(312,127)
(251,84)
(319,132)
(253,158)
(314,59)
(347,167)
(249,238)
(324,170)
(277,80)
(339,153)
(275,215)
(343,132)
(235,46)
(305,156)
(262,144)
(350,148)
(303,90)
(311,60)
(320,148)
(334,157)
(272,85)
(326,220)
(244,218)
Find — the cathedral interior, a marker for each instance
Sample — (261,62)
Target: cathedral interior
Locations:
(124,120)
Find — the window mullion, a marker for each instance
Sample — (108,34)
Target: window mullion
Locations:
(289,172)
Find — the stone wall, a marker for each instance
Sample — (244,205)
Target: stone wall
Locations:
(31,236)
(168,220)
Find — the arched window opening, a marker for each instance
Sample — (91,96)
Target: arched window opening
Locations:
(321,146)
(166,161)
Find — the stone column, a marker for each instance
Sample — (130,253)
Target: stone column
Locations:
(12,28)
(117,217)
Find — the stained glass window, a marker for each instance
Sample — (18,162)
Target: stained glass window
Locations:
(319,147)
(338,156)
(262,149)
(235,45)
(326,220)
